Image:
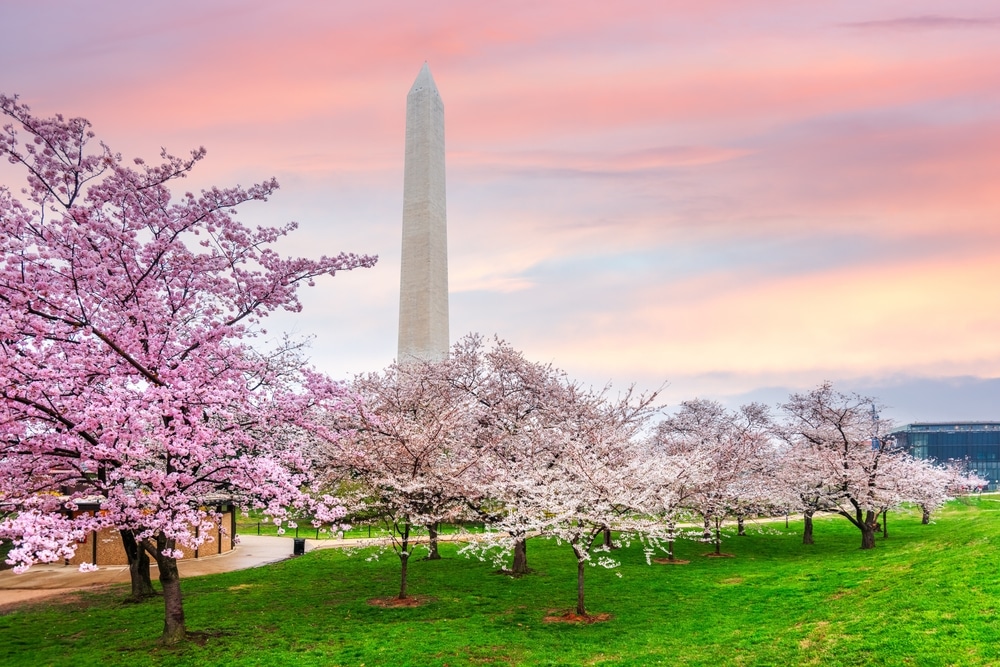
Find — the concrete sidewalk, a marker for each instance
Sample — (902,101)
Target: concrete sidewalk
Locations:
(42,581)
(51,580)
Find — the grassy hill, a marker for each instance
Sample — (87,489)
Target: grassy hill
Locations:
(927,595)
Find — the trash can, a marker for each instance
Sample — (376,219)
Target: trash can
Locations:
(300,546)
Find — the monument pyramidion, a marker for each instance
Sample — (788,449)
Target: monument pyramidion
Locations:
(423,282)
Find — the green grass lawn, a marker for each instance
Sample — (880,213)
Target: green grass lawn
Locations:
(928,595)
(255,524)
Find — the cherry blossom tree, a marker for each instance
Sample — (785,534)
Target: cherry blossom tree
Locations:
(848,447)
(600,476)
(736,444)
(801,486)
(752,489)
(963,480)
(929,485)
(403,451)
(935,483)
(126,321)
(593,476)
(675,475)
(515,434)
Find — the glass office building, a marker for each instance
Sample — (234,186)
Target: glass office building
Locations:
(975,443)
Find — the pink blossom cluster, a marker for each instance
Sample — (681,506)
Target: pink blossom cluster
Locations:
(127,370)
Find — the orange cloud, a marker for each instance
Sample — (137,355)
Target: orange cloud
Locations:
(918,317)
(739,187)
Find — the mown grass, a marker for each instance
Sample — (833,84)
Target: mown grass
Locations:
(928,595)
(256,524)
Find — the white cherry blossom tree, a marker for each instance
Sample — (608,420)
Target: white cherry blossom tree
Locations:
(841,438)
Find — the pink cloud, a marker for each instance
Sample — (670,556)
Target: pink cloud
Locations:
(927,22)
(607,162)
(918,317)
(626,181)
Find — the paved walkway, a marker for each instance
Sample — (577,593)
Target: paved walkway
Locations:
(49,580)
(42,581)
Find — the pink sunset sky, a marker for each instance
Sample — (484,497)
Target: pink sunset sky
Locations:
(741,198)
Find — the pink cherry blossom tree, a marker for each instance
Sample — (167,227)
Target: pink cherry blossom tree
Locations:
(126,367)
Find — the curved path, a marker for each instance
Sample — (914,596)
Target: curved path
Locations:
(50,580)
(42,581)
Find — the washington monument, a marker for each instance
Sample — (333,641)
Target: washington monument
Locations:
(423,281)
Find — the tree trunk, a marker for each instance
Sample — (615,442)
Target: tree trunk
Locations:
(432,545)
(885,524)
(740,531)
(706,531)
(671,532)
(581,565)
(718,536)
(868,531)
(807,531)
(138,567)
(174,630)
(867,537)
(926,518)
(404,558)
(607,538)
(520,565)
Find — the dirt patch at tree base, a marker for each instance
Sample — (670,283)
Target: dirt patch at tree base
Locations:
(573,617)
(712,554)
(667,561)
(393,602)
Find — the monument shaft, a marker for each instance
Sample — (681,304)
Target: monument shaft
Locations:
(423,284)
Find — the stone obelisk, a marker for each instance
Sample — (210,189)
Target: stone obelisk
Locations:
(423,282)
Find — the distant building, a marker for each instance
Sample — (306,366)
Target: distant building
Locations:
(975,443)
